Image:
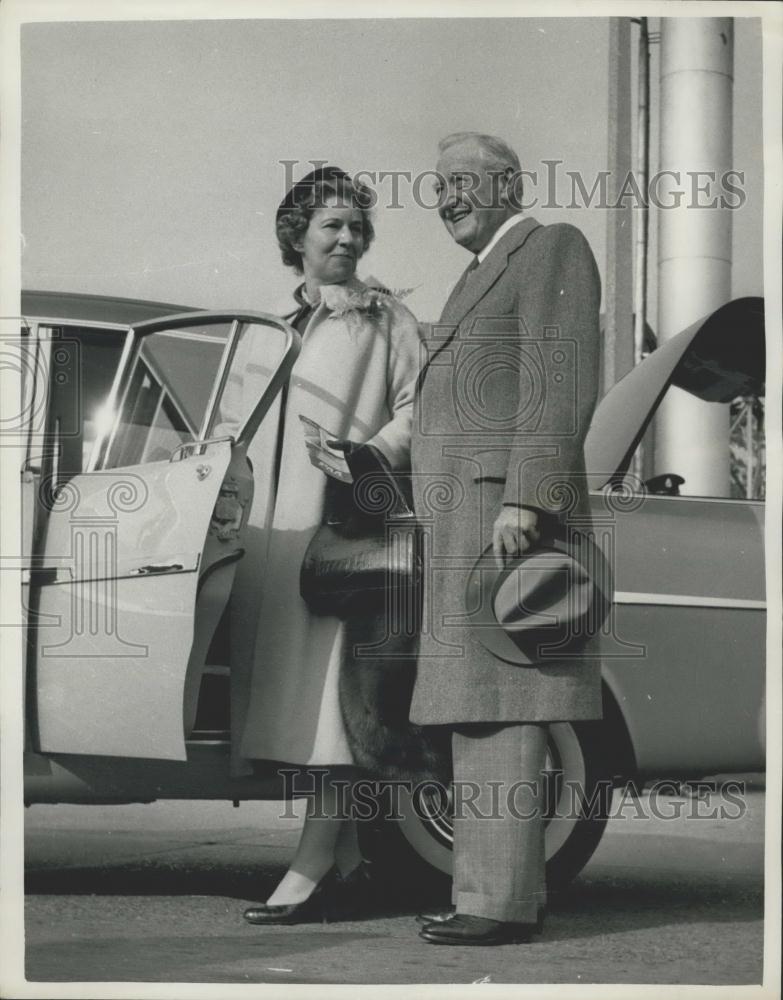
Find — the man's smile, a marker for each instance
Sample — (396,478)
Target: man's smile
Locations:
(458,213)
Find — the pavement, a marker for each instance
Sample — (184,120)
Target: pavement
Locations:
(154,893)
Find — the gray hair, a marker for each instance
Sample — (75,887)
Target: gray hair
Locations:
(496,153)
(495,150)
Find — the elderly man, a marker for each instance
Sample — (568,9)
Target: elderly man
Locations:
(502,408)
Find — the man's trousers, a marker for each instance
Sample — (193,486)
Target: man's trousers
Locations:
(498,823)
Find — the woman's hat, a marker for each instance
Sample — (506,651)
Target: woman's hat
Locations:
(304,188)
(545,604)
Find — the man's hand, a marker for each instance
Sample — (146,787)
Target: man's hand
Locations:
(516,530)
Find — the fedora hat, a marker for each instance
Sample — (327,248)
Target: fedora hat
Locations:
(299,192)
(543,605)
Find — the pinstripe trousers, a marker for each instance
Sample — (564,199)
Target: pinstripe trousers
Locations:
(498,824)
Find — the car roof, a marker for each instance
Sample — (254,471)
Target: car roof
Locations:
(95,308)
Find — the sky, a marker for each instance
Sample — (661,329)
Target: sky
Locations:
(152,152)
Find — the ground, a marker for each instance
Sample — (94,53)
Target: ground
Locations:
(156,892)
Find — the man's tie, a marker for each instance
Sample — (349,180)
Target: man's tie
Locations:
(471,271)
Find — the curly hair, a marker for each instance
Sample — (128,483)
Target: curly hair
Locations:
(292,225)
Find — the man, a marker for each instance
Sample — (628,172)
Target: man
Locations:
(502,408)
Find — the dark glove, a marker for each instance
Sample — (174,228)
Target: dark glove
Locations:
(362,459)
(366,459)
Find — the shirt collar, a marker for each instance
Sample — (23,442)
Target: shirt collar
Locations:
(501,232)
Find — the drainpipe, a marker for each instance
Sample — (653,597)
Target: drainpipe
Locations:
(642,173)
(617,357)
(694,243)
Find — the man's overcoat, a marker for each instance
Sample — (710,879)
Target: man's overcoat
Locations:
(500,415)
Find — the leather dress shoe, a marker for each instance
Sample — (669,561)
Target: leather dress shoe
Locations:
(464,929)
(439,916)
(435,916)
(316,908)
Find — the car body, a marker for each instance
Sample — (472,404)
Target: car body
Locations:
(134,511)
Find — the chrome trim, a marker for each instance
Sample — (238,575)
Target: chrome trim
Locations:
(687,601)
(42,353)
(293,346)
(97,324)
(669,497)
(101,446)
(183,451)
(219,380)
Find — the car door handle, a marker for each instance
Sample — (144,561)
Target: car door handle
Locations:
(151,569)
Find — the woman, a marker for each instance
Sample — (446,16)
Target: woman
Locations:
(355,377)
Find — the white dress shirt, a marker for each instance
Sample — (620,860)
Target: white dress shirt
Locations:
(482,254)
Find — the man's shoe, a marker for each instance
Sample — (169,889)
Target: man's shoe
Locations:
(439,916)
(435,916)
(461,928)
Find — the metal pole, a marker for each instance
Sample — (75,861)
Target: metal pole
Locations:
(749,470)
(694,245)
(618,336)
(642,212)
(642,169)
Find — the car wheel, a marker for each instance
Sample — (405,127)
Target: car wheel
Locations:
(417,846)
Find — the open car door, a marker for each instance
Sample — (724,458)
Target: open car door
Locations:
(133,563)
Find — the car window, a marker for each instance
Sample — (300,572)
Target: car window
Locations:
(81,365)
(168,394)
(258,354)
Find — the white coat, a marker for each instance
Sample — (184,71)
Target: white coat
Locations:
(356,377)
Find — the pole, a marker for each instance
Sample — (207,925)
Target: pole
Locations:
(694,244)
(642,171)
(618,337)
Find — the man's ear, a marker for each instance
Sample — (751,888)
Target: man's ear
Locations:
(506,190)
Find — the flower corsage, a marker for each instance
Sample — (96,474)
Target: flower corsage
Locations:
(355,305)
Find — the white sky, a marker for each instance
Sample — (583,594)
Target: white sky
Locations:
(151,150)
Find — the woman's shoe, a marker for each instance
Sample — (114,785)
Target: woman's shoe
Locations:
(317,908)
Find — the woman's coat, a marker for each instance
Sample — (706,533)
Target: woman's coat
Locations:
(355,376)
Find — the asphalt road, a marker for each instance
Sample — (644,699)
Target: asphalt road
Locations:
(155,893)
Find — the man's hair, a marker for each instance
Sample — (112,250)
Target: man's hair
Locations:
(495,150)
(496,153)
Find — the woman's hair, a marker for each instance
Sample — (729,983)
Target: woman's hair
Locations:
(292,224)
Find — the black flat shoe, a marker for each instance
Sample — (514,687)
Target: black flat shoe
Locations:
(317,908)
(461,928)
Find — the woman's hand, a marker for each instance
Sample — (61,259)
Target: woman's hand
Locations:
(361,458)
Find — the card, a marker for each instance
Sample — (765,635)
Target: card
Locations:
(329,460)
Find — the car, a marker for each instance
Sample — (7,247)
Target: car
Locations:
(134,511)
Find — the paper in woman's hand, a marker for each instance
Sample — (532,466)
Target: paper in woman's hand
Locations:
(323,457)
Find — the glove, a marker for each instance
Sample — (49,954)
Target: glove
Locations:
(362,459)
(366,459)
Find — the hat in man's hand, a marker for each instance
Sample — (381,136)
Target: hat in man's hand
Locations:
(542,606)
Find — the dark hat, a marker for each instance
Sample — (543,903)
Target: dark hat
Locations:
(544,605)
(304,188)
